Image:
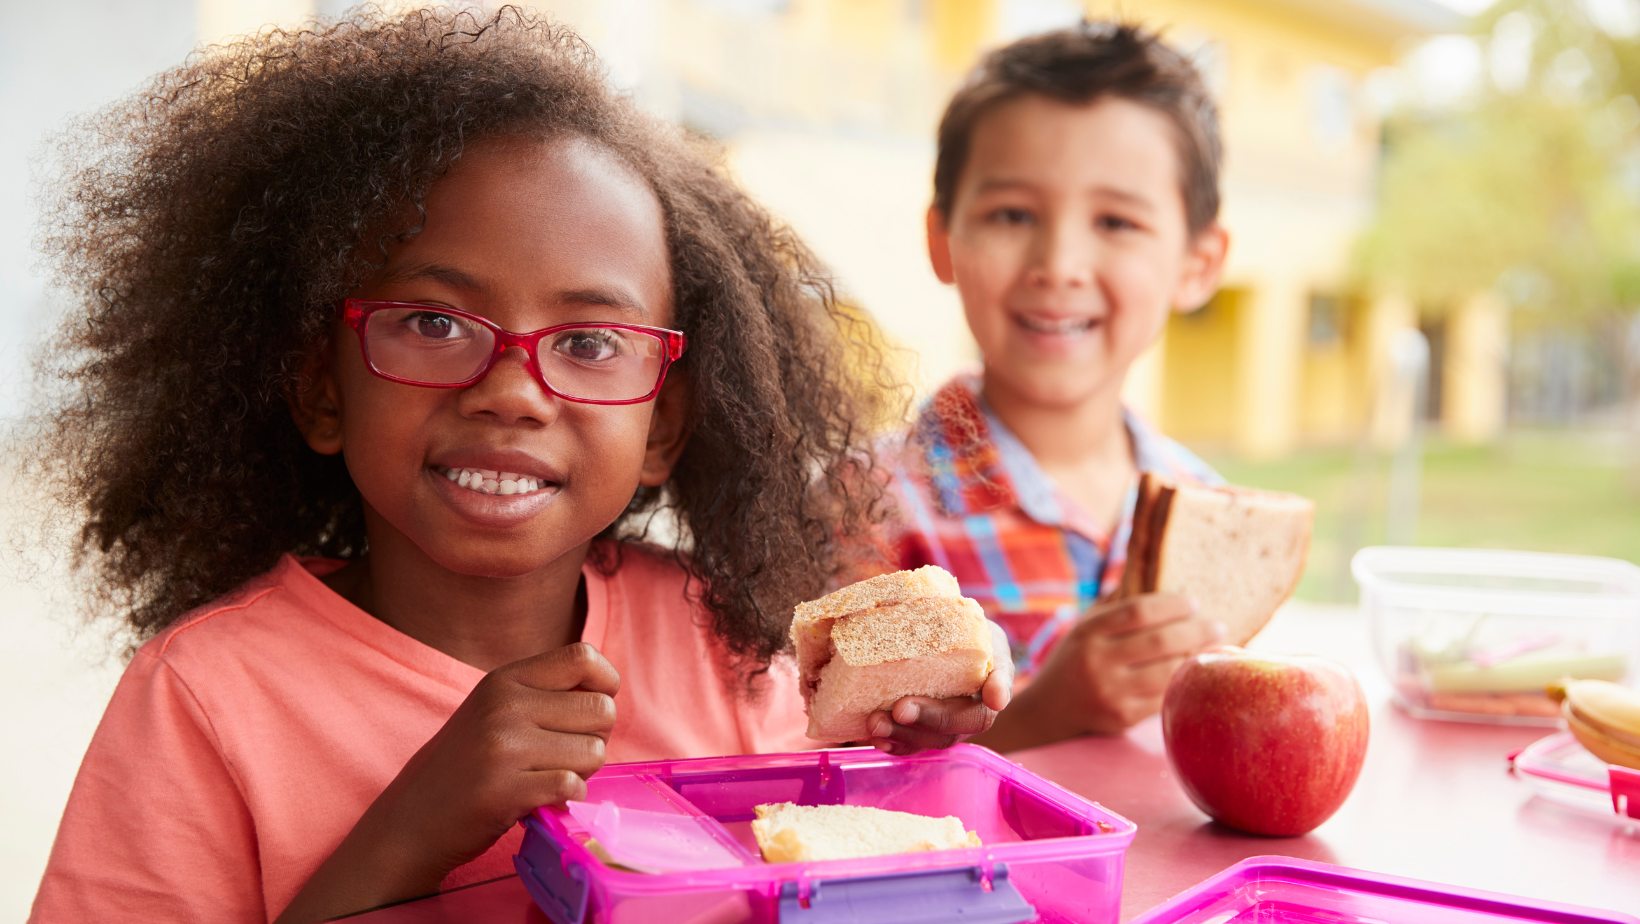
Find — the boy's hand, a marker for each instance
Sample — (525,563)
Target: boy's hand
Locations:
(918,723)
(1108,672)
(529,734)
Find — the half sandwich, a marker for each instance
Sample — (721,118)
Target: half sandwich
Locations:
(788,833)
(860,649)
(1240,552)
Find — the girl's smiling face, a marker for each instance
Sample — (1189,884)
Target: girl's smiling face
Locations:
(529,235)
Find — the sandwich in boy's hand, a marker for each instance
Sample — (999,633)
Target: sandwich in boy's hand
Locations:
(860,649)
(1238,551)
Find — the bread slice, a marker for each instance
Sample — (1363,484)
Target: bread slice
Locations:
(905,634)
(789,833)
(1240,552)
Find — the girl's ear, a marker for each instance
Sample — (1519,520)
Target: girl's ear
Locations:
(668,430)
(1203,268)
(315,405)
(939,245)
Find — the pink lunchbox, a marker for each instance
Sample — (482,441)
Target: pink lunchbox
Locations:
(1283,890)
(1048,854)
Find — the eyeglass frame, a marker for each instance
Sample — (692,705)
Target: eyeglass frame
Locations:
(357,311)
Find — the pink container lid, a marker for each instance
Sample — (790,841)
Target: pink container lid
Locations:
(1560,770)
(1284,890)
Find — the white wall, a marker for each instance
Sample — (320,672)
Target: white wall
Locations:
(57,58)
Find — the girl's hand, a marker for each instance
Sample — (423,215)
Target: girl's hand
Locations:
(528,735)
(1108,672)
(917,723)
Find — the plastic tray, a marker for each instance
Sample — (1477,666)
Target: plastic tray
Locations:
(1560,770)
(1048,854)
(1282,890)
(1475,635)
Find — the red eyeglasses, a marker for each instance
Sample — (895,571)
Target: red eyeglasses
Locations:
(440,347)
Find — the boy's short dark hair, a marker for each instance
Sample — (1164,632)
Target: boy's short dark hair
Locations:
(1078,66)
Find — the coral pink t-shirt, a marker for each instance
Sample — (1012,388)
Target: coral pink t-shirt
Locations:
(244,741)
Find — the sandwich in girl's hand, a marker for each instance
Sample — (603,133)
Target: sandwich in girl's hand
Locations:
(1238,551)
(864,647)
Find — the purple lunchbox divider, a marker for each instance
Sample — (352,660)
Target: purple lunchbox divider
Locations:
(1369,885)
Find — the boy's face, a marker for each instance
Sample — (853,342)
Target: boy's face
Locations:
(1068,243)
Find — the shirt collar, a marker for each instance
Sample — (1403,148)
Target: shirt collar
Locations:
(977,465)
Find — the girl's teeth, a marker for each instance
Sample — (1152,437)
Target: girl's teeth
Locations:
(487,481)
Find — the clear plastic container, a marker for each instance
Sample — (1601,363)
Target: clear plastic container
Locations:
(1282,890)
(1475,635)
(1558,769)
(1048,854)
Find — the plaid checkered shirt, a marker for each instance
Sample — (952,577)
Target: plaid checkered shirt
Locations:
(972,499)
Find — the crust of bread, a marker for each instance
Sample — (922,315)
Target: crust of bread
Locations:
(882,590)
(1138,574)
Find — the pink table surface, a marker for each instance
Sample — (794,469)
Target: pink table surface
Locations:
(1435,801)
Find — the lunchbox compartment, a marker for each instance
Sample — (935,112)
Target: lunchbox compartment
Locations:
(1048,854)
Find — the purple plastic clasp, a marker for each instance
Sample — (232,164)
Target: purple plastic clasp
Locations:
(1625,784)
(973,895)
(558,887)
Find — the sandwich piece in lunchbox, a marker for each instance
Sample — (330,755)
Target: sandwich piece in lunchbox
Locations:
(863,647)
(1238,551)
(788,833)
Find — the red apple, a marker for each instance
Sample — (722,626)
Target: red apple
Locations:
(1269,744)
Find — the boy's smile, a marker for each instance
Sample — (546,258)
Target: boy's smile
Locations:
(501,478)
(1067,240)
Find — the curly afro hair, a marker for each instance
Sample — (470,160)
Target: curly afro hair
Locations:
(205,228)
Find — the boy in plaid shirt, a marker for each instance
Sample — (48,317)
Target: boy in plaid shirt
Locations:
(1075,205)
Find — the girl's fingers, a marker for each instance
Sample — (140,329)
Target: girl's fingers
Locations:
(998,691)
(577,666)
(999,685)
(901,740)
(575,711)
(962,715)
(552,787)
(579,754)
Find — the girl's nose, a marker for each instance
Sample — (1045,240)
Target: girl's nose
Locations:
(1062,256)
(510,393)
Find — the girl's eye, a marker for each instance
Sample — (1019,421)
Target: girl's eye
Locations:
(590,345)
(433,325)
(1114,223)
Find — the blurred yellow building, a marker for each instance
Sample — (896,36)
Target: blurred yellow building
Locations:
(827,110)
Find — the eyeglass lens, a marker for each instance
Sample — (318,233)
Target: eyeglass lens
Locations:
(435,348)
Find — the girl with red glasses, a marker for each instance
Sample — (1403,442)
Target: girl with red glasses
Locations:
(442,428)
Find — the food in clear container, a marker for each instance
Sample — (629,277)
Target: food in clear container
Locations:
(1478,634)
(1460,663)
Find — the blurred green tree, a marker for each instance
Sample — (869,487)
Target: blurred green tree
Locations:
(1531,185)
